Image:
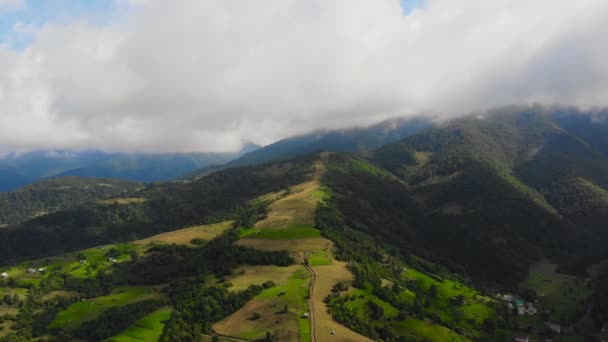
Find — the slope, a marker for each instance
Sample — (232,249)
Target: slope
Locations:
(56,194)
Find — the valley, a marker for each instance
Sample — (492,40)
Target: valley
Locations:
(426,239)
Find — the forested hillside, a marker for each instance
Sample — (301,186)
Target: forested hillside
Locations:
(59,193)
(159,207)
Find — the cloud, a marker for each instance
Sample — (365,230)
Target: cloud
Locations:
(208,75)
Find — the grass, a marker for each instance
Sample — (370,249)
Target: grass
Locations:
(318,258)
(415,328)
(269,305)
(248,275)
(148,328)
(186,235)
(291,233)
(360,304)
(559,293)
(472,313)
(123,200)
(80,312)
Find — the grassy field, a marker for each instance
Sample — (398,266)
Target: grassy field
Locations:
(415,328)
(83,311)
(298,245)
(291,233)
(123,200)
(560,293)
(472,313)
(298,208)
(248,275)
(318,258)
(184,236)
(149,328)
(269,305)
(327,277)
(360,304)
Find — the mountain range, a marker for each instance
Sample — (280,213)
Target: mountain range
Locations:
(403,231)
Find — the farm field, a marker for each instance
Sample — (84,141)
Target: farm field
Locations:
(318,258)
(148,328)
(473,311)
(328,276)
(416,328)
(291,233)
(248,275)
(77,313)
(270,305)
(122,200)
(559,293)
(185,236)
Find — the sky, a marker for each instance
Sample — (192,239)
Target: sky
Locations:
(211,75)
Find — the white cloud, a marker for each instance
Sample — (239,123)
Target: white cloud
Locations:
(209,74)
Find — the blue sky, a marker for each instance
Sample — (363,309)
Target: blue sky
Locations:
(410,5)
(39,12)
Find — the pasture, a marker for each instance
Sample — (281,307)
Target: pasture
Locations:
(89,309)
(269,305)
(148,328)
(415,328)
(291,233)
(186,235)
(471,314)
(122,200)
(560,293)
(326,277)
(318,258)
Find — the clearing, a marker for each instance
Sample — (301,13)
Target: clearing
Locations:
(560,293)
(148,328)
(186,235)
(80,312)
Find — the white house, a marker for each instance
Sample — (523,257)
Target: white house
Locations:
(4,275)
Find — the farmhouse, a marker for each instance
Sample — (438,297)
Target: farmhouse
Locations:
(4,275)
(555,327)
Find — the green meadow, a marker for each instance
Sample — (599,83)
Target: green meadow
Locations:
(77,313)
(292,233)
(318,258)
(562,294)
(148,328)
(415,328)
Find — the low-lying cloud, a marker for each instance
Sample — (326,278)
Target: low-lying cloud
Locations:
(208,75)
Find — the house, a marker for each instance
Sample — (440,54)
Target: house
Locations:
(4,275)
(555,327)
(31,270)
(522,339)
(41,269)
(306,315)
(82,261)
(530,309)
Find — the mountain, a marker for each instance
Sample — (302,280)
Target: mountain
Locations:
(408,242)
(511,187)
(20,169)
(58,193)
(361,140)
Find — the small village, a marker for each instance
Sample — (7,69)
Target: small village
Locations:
(522,308)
